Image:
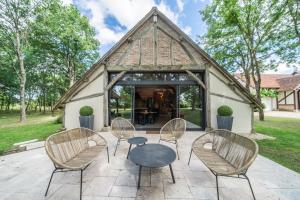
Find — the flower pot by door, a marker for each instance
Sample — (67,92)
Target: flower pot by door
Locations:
(87,121)
(224,122)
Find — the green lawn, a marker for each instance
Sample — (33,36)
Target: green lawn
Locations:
(286,148)
(190,115)
(38,126)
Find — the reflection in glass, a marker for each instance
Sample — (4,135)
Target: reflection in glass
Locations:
(120,102)
(190,106)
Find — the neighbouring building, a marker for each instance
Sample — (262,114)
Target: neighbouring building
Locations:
(287,86)
(156,73)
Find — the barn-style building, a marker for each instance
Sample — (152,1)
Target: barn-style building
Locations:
(156,73)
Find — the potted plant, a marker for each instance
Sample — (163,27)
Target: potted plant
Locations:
(224,117)
(86,117)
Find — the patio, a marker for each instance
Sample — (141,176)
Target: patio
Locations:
(25,176)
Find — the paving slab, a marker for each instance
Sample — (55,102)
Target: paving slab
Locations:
(25,175)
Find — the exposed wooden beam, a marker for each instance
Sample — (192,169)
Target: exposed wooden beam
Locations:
(88,83)
(132,42)
(188,53)
(105,97)
(196,79)
(231,86)
(285,96)
(252,119)
(155,39)
(87,97)
(112,82)
(171,51)
(180,42)
(294,96)
(125,53)
(168,34)
(228,97)
(140,53)
(158,67)
(207,100)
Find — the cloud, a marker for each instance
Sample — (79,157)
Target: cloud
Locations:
(283,68)
(180,4)
(67,2)
(126,12)
(187,30)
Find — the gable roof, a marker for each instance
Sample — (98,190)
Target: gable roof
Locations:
(268,81)
(289,83)
(183,37)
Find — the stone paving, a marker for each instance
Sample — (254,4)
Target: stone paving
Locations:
(25,176)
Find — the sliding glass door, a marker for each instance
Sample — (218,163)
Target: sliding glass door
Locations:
(149,100)
(191,106)
(121,102)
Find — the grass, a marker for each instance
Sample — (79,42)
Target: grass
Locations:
(193,116)
(38,126)
(285,149)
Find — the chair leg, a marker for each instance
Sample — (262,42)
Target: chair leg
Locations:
(50,181)
(81,184)
(107,154)
(177,149)
(250,186)
(217,186)
(129,150)
(190,156)
(118,142)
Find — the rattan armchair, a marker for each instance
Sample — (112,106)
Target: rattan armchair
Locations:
(225,154)
(122,129)
(172,131)
(74,150)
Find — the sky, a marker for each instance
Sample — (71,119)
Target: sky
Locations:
(114,18)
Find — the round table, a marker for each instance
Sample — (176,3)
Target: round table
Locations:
(152,156)
(137,141)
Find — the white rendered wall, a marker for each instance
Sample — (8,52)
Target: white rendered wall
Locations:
(72,108)
(289,99)
(242,112)
(72,112)
(270,103)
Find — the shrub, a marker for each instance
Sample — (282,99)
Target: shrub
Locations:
(86,111)
(225,111)
(59,119)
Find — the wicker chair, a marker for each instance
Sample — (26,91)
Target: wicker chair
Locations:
(172,131)
(225,154)
(74,150)
(122,129)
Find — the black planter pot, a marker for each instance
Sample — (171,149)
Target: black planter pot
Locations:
(225,122)
(87,121)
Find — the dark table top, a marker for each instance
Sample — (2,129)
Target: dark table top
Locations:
(137,140)
(152,155)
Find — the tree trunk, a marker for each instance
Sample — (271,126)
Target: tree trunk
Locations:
(247,79)
(71,73)
(294,19)
(22,78)
(44,102)
(257,82)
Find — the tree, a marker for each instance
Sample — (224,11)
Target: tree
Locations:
(224,44)
(15,15)
(257,24)
(66,37)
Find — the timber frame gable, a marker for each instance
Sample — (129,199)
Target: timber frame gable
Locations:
(155,43)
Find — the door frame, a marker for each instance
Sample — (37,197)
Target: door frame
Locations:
(149,83)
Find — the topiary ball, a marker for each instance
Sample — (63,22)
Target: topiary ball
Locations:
(86,111)
(225,111)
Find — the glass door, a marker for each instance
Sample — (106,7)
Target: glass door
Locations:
(121,102)
(191,106)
